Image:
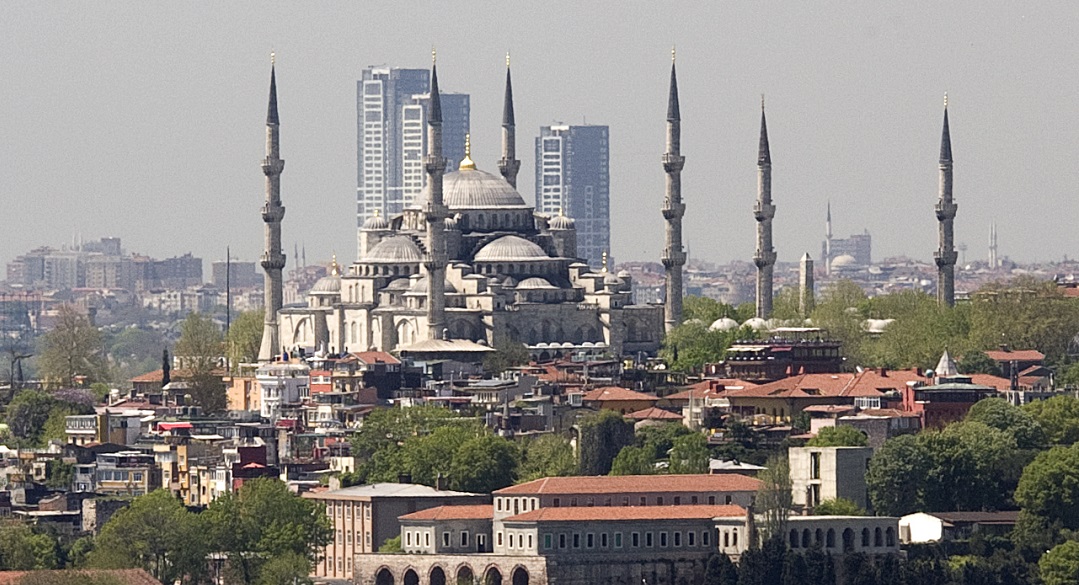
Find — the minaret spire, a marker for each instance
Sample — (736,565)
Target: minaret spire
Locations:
(508,165)
(273,260)
(674,256)
(946,255)
(806,293)
(435,214)
(764,211)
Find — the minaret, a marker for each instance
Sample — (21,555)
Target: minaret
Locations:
(764,211)
(508,165)
(806,293)
(826,256)
(945,255)
(992,246)
(674,257)
(435,214)
(273,260)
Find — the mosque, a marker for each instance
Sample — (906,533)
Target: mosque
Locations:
(471,264)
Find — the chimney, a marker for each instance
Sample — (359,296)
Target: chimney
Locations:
(440,482)
(1005,347)
(404,478)
(883,372)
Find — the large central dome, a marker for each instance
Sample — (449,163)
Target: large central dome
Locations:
(510,249)
(476,189)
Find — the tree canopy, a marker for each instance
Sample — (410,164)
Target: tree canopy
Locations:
(1058,417)
(547,456)
(1004,416)
(244,338)
(838,436)
(603,435)
(74,349)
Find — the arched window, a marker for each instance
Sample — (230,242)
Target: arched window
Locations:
(865,537)
(889,537)
(831,538)
(877,540)
(806,542)
(794,538)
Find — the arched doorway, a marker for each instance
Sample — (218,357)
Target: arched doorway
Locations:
(493,577)
(383,577)
(411,578)
(848,540)
(438,576)
(520,576)
(465,576)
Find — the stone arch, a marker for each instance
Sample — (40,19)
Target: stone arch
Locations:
(406,334)
(806,542)
(865,537)
(877,539)
(493,576)
(848,540)
(830,539)
(819,537)
(383,577)
(411,578)
(545,334)
(520,576)
(889,537)
(301,331)
(465,576)
(437,576)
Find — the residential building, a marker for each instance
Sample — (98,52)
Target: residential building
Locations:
(130,473)
(573,178)
(365,516)
(281,385)
(922,527)
(826,473)
(235,275)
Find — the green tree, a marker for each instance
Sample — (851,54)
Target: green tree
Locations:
(690,454)
(379,443)
(425,457)
(507,355)
(838,436)
(1049,486)
(1058,417)
(660,438)
(133,350)
(692,344)
(719,570)
(978,362)
(200,349)
(895,475)
(392,545)
(547,456)
(288,568)
(707,310)
(633,460)
(245,338)
(838,507)
(27,414)
(920,330)
(73,349)
(1024,313)
(774,498)
(1060,566)
(60,474)
(1004,416)
(969,463)
(68,577)
(21,549)
(484,464)
(602,436)
(155,533)
(263,521)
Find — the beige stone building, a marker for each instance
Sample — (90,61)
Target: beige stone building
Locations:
(827,473)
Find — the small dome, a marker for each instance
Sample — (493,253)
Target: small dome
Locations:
(843,261)
(397,285)
(609,278)
(561,222)
(375,223)
(420,286)
(723,324)
(396,250)
(475,189)
(534,283)
(623,274)
(510,249)
(756,323)
(509,282)
(327,285)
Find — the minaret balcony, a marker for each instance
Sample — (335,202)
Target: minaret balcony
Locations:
(272,261)
(945,257)
(674,211)
(764,211)
(273,213)
(272,166)
(434,164)
(764,259)
(946,210)
(673,163)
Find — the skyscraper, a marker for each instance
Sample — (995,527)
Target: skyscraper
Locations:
(391,107)
(573,177)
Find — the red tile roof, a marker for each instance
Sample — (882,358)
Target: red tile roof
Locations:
(1015,355)
(888,413)
(884,380)
(710,388)
(122,576)
(654,413)
(990,380)
(628,484)
(633,513)
(802,386)
(472,512)
(373,357)
(617,394)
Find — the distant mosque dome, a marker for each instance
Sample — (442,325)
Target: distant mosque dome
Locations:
(757,324)
(327,285)
(561,222)
(471,188)
(395,249)
(510,249)
(375,223)
(534,282)
(876,326)
(723,324)
(843,261)
(420,286)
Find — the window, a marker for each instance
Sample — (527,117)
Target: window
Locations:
(693,500)
(576,540)
(603,540)
(726,539)
(561,541)
(499,539)
(498,504)
(644,501)
(677,500)
(590,540)
(547,541)
(408,537)
(734,538)
(814,466)
(648,539)
(464,538)
(573,502)
(635,539)
(618,540)
(663,539)
(625,501)
(677,539)
(704,538)
(728,499)
(711,500)
(529,542)
(659,501)
(446,539)
(689,538)
(556,502)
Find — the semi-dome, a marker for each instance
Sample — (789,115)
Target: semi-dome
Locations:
(327,285)
(534,283)
(476,189)
(723,324)
(510,249)
(395,249)
(420,286)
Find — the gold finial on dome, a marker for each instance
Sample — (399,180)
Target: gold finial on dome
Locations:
(605,261)
(672,54)
(335,268)
(273,57)
(434,55)
(507,59)
(945,100)
(560,213)
(378,212)
(466,162)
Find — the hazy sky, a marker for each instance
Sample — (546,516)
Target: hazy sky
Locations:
(145,120)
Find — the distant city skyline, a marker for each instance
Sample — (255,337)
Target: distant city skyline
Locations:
(161,144)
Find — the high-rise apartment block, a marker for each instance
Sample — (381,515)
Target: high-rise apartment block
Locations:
(391,107)
(573,178)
